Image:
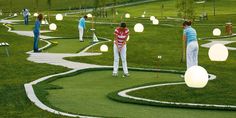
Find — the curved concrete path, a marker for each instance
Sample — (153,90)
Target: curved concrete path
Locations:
(208,45)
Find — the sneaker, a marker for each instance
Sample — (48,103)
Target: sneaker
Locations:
(37,51)
(114,74)
(126,75)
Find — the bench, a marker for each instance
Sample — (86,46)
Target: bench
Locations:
(5,45)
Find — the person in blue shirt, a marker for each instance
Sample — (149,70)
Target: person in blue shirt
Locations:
(37,32)
(190,36)
(81,27)
(26,16)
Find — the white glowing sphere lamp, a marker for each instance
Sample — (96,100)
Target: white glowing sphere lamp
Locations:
(59,17)
(196,77)
(152,18)
(138,27)
(216,32)
(36,15)
(127,15)
(155,22)
(89,15)
(218,52)
(53,26)
(104,48)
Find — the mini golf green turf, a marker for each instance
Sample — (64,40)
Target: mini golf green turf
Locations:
(232,44)
(67,45)
(86,93)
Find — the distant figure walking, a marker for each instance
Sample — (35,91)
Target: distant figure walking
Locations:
(81,27)
(37,32)
(26,16)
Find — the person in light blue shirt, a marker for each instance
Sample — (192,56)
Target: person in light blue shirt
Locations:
(190,36)
(26,16)
(37,32)
(81,27)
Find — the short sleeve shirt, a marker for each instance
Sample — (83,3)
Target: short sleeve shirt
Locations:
(121,35)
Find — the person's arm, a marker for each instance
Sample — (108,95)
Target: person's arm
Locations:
(126,36)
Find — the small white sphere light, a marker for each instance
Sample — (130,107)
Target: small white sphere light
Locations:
(155,22)
(196,77)
(15,14)
(89,15)
(152,18)
(36,15)
(52,26)
(104,48)
(127,15)
(43,22)
(59,17)
(218,52)
(143,16)
(216,32)
(138,27)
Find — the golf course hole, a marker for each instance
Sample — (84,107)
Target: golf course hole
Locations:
(86,91)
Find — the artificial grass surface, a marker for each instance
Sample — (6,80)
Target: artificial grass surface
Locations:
(15,72)
(86,93)
(232,45)
(68,45)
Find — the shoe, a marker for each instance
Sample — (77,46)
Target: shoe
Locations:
(126,75)
(114,74)
(37,51)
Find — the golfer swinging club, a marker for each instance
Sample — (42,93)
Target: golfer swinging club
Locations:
(121,33)
(81,27)
(190,35)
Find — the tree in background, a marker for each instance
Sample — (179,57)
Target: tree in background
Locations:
(49,2)
(37,5)
(186,9)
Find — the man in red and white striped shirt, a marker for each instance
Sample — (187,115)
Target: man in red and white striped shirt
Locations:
(121,34)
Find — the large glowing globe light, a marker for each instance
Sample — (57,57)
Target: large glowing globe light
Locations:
(218,52)
(89,15)
(52,26)
(138,27)
(155,22)
(127,15)
(152,18)
(216,32)
(104,48)
(59,17)
(36,15)
(196,77)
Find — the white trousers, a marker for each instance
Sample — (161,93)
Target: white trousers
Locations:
(123,58)
(192,54)
(81,33)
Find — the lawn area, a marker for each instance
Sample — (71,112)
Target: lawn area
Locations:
(67,45)
(86,93)
(15,72)
(232,45)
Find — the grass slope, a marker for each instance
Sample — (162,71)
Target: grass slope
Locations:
(86,93)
